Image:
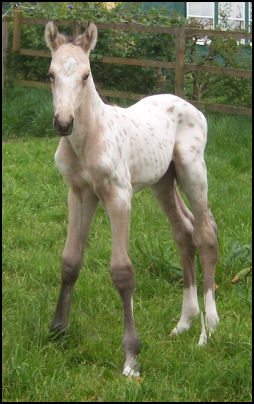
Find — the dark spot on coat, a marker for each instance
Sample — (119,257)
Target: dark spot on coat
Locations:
(171,109)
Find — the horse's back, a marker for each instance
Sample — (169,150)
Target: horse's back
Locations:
(168,107)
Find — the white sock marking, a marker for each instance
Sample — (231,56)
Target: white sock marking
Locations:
(128,371)
(211,311)
(190,310)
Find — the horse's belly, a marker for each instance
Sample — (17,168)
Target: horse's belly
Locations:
(150,163)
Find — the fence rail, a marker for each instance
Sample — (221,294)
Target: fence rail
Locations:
(179,66)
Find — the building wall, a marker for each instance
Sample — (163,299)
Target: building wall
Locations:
(178,6)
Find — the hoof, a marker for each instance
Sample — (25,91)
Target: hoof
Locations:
(133,370)
(203,336)
(202,339)
(56,333)
(179,329)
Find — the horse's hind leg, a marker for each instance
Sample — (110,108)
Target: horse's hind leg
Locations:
(182,223)
(192,175)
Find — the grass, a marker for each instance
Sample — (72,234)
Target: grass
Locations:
(86,364)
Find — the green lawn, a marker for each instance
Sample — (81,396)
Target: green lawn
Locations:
(86,364)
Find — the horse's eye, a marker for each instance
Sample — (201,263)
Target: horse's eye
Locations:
(51,76)
(85,77)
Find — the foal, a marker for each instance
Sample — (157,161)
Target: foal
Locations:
(105,154)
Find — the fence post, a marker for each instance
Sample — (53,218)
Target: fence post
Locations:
(17,17)
(180,56)
(4,49)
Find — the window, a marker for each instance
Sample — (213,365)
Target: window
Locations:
(231,15)
(202,12)
(250,17)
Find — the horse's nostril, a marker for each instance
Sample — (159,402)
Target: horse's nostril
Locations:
(62,127)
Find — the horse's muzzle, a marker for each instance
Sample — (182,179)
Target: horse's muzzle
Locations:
(63,128)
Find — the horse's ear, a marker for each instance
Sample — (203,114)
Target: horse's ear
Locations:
(52,37)
(88,40)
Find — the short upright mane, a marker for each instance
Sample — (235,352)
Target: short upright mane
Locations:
(71,38)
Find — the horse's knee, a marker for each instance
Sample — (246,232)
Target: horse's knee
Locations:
(123,277)
(70,268)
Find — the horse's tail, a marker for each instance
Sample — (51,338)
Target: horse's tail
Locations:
(203,336)
(187,213)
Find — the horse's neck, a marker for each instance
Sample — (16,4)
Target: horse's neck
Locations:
(88,119)
(91,105)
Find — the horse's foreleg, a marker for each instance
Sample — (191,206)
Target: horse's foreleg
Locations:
(118,205)
(81,207)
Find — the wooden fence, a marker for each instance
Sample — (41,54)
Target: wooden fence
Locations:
(179,66)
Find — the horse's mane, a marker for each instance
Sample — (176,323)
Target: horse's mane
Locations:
(99,91)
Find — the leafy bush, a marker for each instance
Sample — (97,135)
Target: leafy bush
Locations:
(144,80)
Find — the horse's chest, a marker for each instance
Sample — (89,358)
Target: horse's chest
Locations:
(70,165)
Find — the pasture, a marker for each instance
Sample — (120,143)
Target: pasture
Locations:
(86,364)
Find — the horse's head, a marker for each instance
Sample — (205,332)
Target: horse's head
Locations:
(69,73)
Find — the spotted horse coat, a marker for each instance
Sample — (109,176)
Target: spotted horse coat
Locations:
(106,153)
